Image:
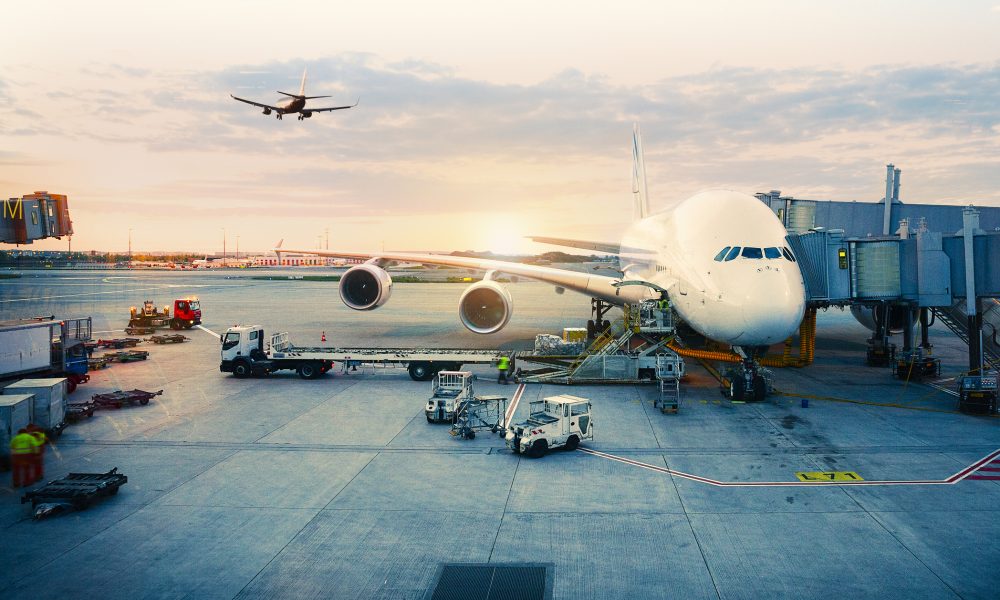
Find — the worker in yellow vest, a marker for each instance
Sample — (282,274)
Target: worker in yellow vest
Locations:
(38,456)
(22,448)
(503,368)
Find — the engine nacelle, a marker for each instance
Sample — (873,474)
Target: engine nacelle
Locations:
(365,287)
(866,316)
(306,114)
(267,111)
(485,307)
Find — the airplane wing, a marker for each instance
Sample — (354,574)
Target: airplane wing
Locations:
(331,107)
(275,108)
(582,244)
(597,286)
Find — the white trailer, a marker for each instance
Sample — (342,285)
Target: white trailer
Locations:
(245,354)
(15,414)
(49,404)
(556,422)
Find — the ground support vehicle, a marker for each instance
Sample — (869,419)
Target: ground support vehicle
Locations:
(977,394)
(477,414)
(449,390)
(78,411)
(45,348)
(77,490)
(556,422)
(244,354)
(173,338)
(187,314)
(118,343)
(126,356)
(118,399)
(97,363)
(914,365)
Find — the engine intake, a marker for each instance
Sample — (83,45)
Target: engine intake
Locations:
(485,307)
(365,287)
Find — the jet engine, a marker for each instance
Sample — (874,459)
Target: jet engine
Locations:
(306,114)
(485,307)
(365,287)
(267,111)
(867,316)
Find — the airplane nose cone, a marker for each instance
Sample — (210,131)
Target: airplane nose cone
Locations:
(770,322)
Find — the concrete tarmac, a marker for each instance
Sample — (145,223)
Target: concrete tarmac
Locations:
(339,488)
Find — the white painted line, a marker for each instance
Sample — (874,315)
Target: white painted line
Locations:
(85,294)
(209,331)
(961,475)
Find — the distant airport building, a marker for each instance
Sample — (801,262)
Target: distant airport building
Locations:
(302,260)
(34,217)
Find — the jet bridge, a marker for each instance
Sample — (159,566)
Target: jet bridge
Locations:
(954,277)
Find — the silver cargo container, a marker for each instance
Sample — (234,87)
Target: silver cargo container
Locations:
(49,406)
(15,414)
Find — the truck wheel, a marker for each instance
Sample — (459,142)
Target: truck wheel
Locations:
(174,325)
(572,443)
(242,369)
(420,371)
(538,449)
(71,385)
(309,370)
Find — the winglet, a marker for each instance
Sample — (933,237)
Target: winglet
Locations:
(639,194)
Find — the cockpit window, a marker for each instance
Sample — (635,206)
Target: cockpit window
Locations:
(721,254)
(733,253)
(749,252)
(788,254)
(772,253)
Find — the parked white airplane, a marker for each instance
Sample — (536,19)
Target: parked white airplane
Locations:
(719,256)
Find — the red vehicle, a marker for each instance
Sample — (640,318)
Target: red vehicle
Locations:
(187,313)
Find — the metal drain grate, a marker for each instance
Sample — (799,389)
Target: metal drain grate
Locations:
(490,581)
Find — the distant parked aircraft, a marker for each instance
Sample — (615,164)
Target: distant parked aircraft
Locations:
(295,104)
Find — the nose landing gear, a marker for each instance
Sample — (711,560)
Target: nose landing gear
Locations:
(747,382)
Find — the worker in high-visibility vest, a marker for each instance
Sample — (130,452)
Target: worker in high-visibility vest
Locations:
(38,456)
(22,447)
(503,367)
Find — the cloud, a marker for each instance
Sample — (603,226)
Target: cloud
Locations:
(427,140)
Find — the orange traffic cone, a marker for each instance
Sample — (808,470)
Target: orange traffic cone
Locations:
(323,337)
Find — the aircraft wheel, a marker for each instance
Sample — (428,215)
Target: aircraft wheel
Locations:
(737,389)
(759,389)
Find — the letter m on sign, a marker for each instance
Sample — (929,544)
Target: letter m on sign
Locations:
(14,207)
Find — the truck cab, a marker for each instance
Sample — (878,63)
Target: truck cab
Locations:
(243,352)
(449,390)
(555,422)
(187,313)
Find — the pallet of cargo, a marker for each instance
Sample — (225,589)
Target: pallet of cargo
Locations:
(126,356)
(119,398)
(79,490)
(173,338)
(96,363)
(118,343)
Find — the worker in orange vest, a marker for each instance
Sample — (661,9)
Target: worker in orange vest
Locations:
(22,448)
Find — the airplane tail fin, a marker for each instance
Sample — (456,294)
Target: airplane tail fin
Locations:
(302,88)
(640,198)
(277,249)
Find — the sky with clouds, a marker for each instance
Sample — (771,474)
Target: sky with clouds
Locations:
(482,124)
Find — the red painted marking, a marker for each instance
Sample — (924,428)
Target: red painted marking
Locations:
(987,477)
(963,474)
(989,468)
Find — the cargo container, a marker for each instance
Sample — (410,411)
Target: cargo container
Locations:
(15,414)
(49,405)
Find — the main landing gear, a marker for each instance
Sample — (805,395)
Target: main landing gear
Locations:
(746,382)
(598,324)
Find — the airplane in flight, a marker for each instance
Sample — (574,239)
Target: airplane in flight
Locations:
(720,258)
(295,104)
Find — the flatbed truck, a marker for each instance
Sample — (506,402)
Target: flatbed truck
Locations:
(245,354)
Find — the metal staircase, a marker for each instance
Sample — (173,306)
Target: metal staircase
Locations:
(954,318)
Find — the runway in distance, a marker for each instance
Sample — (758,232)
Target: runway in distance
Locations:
(720,257)
(295,104)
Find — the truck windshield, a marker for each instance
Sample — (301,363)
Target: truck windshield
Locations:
(195,305)
(232,339)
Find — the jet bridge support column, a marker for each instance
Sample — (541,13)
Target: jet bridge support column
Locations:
(970,224)
(924,336)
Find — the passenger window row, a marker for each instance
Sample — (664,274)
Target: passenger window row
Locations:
(733,252)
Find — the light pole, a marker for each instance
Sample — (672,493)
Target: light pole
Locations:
(130,247)
(223,246)
(237,248)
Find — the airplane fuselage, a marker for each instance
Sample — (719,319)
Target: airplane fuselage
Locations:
(755,298)
(292,105)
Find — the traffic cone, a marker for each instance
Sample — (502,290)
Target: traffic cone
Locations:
(323,337)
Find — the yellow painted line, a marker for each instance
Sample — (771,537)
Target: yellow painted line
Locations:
(828,476)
